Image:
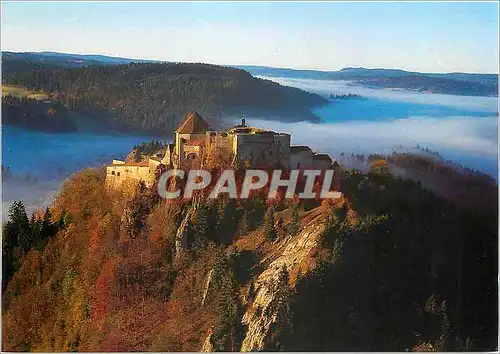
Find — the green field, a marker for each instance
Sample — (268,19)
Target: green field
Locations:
(21,92)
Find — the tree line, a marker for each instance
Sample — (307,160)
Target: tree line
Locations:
(155,97)
(35,114)
(21,234)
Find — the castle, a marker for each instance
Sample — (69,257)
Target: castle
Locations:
(196,145)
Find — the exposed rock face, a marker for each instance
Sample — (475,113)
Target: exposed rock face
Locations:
(131,156)
(206,286)
(294,253)
(181,238)
(207,344)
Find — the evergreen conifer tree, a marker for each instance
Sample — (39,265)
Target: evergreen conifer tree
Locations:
(269,230)
(294,227)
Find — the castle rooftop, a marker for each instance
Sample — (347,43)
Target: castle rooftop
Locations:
(323,157)
(193,123)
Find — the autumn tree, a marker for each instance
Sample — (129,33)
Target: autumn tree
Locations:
(138,208)
(380,167)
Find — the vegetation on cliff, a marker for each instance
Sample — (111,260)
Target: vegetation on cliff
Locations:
(154,97)
(390,266)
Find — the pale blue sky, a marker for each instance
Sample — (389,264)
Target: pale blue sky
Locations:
(420,36)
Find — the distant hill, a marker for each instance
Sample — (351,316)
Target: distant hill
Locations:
(470,84)
(12,62)
(154,97)
(95,58)
(449,83)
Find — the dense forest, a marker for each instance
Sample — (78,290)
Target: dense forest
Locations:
(35,114)
(391,266)
(155,97)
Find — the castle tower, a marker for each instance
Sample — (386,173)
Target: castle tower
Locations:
(193,128)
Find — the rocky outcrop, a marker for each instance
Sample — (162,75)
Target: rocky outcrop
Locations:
(208,347)
(134,157)
(295,254)
(206,286)
(181,238)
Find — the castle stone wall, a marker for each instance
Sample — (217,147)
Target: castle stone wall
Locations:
(117,174)
(303,159)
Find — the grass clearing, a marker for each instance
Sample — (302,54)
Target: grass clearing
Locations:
(22,92)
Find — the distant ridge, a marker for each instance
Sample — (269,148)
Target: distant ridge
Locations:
(364,72)
(71,60)
(97,57)
(467,84)
(455,83)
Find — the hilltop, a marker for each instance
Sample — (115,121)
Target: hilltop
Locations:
(152,97)
(16,61)
(470,84)
(467,84)
(389,266)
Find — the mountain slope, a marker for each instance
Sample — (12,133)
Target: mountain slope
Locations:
(390,266)
(154,97)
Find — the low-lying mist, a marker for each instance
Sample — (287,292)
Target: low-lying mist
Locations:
(341,87)
(461,129)
(466,140)
(33,193)
(39,162)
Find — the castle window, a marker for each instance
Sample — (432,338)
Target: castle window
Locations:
(118,174)
(112,172)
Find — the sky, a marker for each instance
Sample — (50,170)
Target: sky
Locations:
(417,36)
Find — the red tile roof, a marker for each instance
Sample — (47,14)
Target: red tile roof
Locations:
(193,123)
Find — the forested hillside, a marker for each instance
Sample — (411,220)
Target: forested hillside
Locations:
(390,266)
(154,97)
(35,114)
